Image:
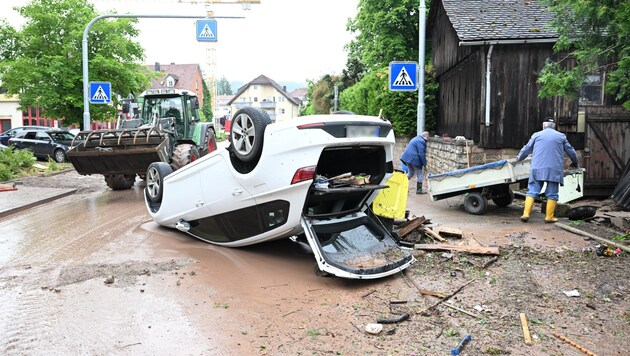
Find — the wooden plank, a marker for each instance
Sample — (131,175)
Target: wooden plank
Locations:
(410,226)
(604,141)
(481,250)
(433,234)
(526,334)
(449,231)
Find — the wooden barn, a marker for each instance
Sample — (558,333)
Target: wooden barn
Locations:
(487,56)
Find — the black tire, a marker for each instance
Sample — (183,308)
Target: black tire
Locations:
(211,141)
(247,133)
(504,200)
(475,203)
(156,173)
(59,155)
(120,181)
(183,154)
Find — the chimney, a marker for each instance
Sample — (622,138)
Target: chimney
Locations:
(157,66)
(284,87)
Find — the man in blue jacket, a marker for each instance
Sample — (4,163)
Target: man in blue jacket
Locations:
(547,148)
(415,158)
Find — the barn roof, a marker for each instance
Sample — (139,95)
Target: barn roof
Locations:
(500,20)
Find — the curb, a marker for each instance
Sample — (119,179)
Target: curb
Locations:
(16,209)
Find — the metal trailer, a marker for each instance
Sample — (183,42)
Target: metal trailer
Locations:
(492,181)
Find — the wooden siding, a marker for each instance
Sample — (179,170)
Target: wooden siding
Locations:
(445,44)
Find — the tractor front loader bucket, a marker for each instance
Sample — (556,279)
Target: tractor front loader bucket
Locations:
(129,151)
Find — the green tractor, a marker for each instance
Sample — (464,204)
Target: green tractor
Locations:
(166,128)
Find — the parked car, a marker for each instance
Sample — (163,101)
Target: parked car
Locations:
(49,143)
(311,179)
(5,136)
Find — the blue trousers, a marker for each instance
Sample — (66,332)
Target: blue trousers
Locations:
(551,191)
(418,171)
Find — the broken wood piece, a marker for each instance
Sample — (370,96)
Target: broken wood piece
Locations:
(526,334)
(433,294)
(462,311)
(449,232)
(433,234)
(446,297)
(7,187)
(491,261)
(595,237)
(574,344)
(410,226)
(481,250)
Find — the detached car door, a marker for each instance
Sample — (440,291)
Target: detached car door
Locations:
(355,246)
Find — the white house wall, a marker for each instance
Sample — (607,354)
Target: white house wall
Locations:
(263,96)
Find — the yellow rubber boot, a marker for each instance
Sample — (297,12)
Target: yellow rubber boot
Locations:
(551,209)
(529,203)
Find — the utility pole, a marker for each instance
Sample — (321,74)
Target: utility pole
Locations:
(421,40)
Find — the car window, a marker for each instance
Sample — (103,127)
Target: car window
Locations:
(29,135)
(62,136)
(42,136)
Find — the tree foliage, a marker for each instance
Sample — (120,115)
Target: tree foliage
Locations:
(595,33)
(224,87)
(206,108)
(42,61)
(321,95)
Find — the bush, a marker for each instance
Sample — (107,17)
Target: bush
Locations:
(13,162)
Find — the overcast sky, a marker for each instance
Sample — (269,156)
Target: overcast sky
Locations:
(286,40)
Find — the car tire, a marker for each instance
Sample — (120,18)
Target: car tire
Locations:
(475,203)
(120,181)
(156,173)
(59,156)
(184,154)
(247,133)
(504,200)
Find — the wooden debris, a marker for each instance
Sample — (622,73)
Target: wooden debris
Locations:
(491,261)
(449,232)
(462,311)
(433,234)
(480,250)
(433,294)
(402,317)
(526,334)
(425,311)
(410,226)
(574,344)
(594,237)
(7,187)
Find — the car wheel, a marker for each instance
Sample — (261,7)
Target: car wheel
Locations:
(156,173)
(504,200)
(120,181)
(475,203)
(59,156)
(184,154)
(247,132)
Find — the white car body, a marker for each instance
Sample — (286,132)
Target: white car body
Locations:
(201,196)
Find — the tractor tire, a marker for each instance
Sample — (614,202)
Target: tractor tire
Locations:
(120,181)
(184,154)
(211,141)
(247,133)
(475,203)
(156,173)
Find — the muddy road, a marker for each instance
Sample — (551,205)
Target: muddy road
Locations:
(92,274)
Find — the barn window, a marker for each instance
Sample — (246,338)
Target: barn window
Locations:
(592,92)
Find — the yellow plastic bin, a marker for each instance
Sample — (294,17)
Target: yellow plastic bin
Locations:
(392,202)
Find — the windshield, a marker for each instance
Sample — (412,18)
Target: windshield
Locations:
(62,136)
(161,107)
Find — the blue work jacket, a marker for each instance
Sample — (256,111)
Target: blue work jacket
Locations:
(415,153)
(547,148)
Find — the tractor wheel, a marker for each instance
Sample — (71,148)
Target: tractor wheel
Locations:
(183,154)
(247,133)
(211,141)
(120,181)
(156,173)
(504,200)
(475,203)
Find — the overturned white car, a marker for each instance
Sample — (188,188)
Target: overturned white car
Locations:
(281,180)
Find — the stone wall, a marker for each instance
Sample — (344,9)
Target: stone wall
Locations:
(448,154)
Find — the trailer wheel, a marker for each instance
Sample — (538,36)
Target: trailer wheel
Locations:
(504,200)
(120,181)
(156,173)
(184,154)
(475,203)
(247,132)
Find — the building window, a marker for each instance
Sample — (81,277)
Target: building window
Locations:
(592,92)
(170,82)
(281,111)
(281,98)
(255,87)
(255,99)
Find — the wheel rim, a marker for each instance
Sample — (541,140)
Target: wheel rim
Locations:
(243,133)
(153,182)
(59,156)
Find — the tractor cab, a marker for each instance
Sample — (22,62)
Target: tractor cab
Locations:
(172,109)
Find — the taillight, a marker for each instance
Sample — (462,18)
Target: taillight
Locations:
(304,173)
(310,126)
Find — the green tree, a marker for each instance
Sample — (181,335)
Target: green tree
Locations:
(224,87)
(42,61)
(595,33)
(206,108)
(321,95)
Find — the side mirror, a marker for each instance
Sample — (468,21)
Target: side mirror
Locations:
(126,106)
(194,103)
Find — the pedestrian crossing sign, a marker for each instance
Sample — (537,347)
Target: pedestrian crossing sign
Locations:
(100,93)
(403,76)
(207,30)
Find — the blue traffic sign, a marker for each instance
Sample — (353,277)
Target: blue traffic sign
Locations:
(403,76)
(206,30)
(100,92)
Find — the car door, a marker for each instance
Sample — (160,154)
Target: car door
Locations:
(43,144)
(25,141)
(355,246)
